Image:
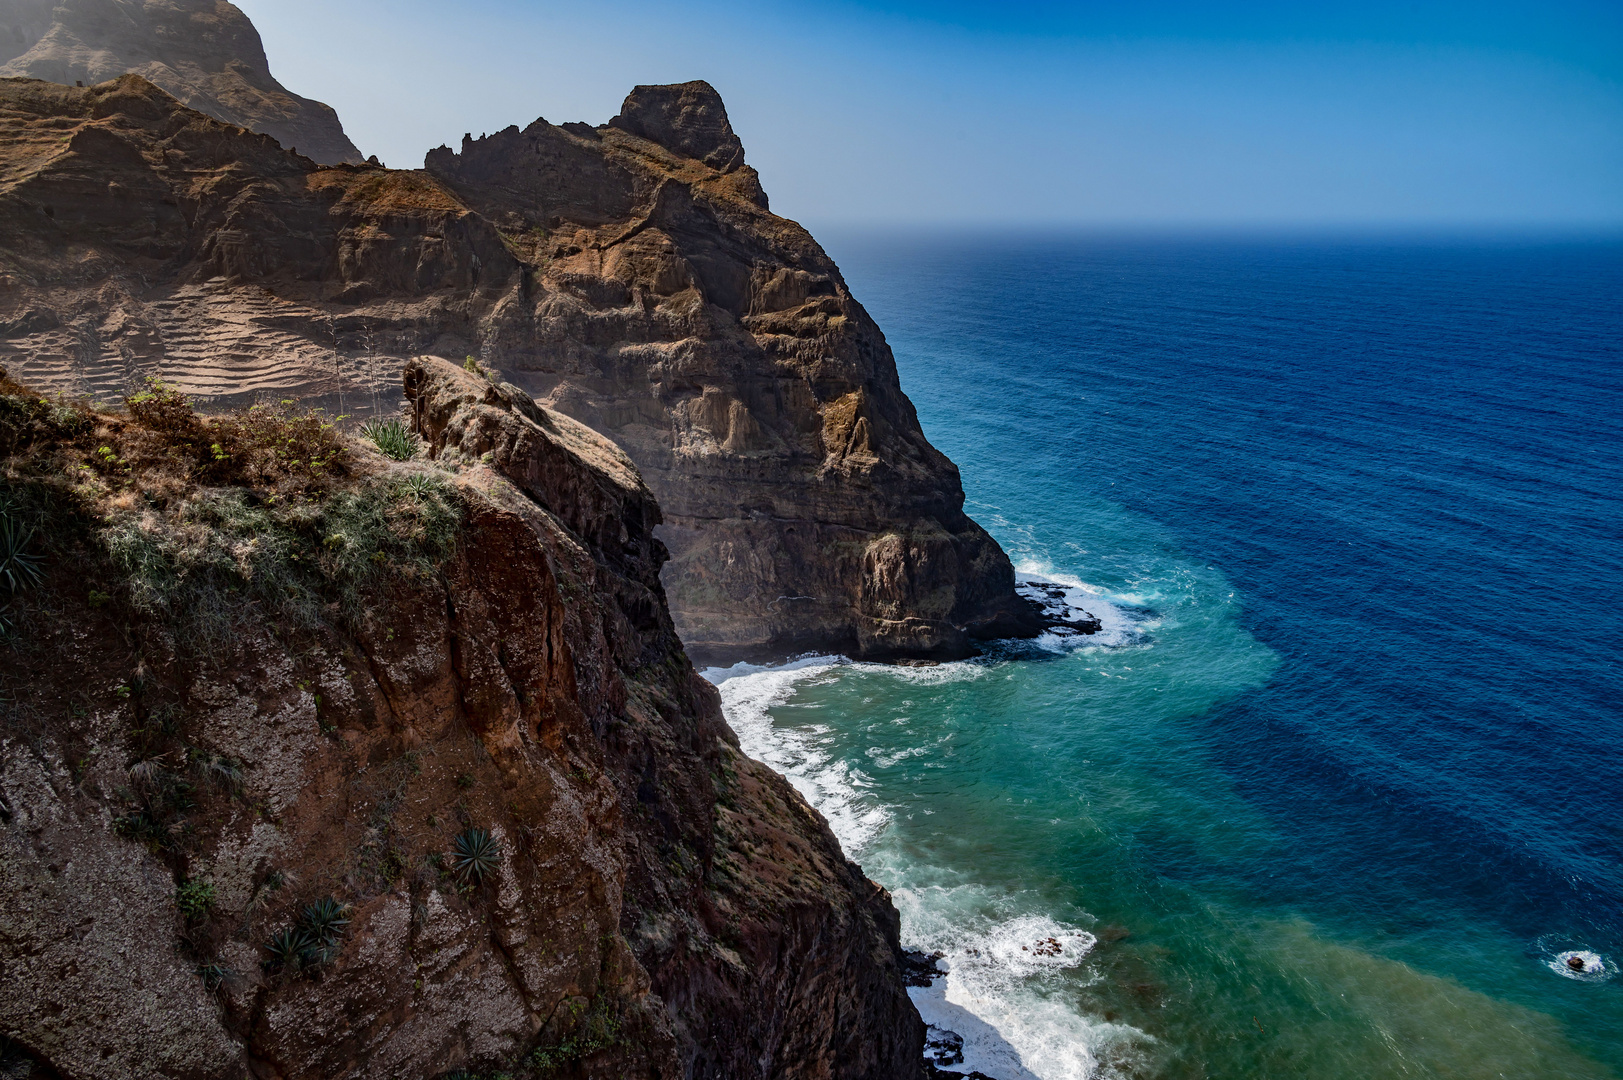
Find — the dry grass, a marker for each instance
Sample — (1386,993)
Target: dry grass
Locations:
(203,524)
(372,191)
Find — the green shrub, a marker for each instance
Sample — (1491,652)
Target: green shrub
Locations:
(166,411)
(145,826)
(600,1030)
(312,940)
(392,438)
(196,564)
(19,569)
(26,417)
(270,442)
(267,443)
(161,799)
(195,899)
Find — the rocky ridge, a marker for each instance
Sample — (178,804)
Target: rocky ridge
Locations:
(204,52)
(253,858)
(628,275)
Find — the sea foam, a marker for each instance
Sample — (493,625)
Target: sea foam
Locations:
(748,693)
(1073,600)
(1000,991)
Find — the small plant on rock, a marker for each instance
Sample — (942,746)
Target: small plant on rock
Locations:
(287,949)
(19,570)
(195,899)
(223,771)
(325,919)
(419,486)
(475,855)
(392,437)
(312,940)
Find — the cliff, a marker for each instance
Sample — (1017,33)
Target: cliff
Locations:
(316,764)
(630,276)
(204,52)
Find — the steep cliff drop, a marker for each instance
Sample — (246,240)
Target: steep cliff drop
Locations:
(628,275)
(205,52)
(315,764)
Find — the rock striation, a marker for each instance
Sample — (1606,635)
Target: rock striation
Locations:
(252,859)
(204,52)
(629,275)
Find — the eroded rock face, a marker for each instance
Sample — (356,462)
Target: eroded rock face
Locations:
(662,906)
(629,276)
(205,52)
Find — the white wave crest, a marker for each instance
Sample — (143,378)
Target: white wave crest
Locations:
(748,694)
(1002,993)
(1581,964)
(1072,599)
(996,994)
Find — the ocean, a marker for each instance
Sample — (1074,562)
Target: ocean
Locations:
(1337,793)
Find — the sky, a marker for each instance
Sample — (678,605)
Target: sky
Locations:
(1377,114)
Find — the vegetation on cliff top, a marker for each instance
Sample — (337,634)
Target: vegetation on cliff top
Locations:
(200,522)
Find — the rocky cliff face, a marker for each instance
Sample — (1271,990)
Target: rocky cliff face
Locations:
(476,813)
(204,52)
(630,276)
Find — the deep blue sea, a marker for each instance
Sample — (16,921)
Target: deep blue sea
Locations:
(1339,792)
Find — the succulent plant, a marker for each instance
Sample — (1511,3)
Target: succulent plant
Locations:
(288,948)
(324,921)
(475,854)
(392,437)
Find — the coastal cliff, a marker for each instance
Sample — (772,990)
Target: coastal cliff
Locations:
(204,52)
(629,275)
(318,764)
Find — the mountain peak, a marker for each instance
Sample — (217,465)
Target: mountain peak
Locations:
(686,118)
(205,52)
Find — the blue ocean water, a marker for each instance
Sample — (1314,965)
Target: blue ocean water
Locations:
(1342,788)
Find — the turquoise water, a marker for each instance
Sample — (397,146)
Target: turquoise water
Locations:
(1338,786)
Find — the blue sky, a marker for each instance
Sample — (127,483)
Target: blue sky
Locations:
(1275,115)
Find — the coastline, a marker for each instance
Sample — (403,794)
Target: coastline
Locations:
(958,993)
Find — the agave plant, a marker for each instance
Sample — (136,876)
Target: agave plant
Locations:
(419,486)
(18,569)
(288,949)
(324,921)
(392,437)
(475,854)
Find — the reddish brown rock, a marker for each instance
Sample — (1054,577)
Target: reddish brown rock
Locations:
(204,52)
(629,275)
(661,905)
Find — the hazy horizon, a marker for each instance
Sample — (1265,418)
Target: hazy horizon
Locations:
(1441,117)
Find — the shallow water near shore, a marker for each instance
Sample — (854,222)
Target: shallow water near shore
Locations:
(1338,788)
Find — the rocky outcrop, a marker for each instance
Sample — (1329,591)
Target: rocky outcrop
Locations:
(650,904)
(204,52)
(630,276)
